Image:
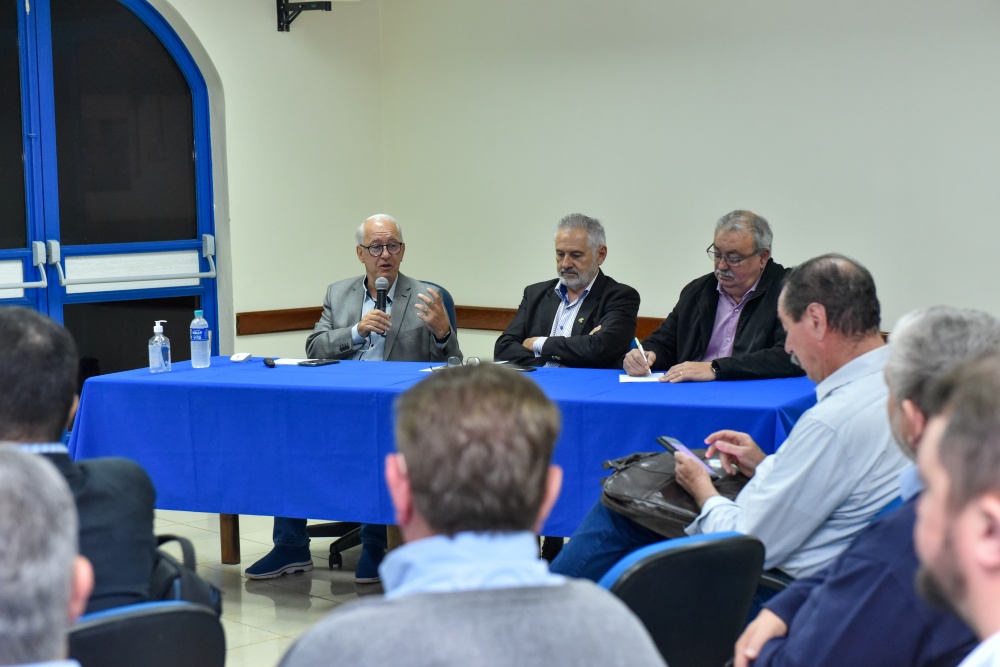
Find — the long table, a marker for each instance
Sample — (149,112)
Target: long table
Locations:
(242,438)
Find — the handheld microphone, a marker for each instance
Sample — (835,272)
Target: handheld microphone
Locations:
(381,288)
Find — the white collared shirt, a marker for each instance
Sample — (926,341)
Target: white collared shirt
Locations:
(562,323)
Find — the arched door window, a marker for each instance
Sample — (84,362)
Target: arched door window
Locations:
(110,145)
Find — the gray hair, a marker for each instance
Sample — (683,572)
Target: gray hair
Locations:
(595,230)
(927,343)
(359,233)
(750,222)
(39,528)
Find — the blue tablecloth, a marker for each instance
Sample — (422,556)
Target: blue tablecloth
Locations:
(241,438)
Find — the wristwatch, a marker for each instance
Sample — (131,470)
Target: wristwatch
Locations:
(715,368)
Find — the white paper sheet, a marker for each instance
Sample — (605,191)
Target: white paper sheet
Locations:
(653,377)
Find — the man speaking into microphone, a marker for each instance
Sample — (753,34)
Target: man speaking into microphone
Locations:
(380,316)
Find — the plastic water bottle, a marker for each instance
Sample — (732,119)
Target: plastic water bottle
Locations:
(201,341)
(159,350)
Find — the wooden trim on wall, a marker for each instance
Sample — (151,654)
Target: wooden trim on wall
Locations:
(469,317)
(489,319)
(646,325)
(275,321)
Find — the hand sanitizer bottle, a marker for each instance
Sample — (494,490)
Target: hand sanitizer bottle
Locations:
(159,350)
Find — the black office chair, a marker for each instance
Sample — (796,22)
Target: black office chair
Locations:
(348,533)
(771,583)
(151,634)
(692,594)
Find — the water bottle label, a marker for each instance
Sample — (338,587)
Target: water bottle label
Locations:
(198,335)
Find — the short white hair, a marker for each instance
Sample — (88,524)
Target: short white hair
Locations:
(359,234)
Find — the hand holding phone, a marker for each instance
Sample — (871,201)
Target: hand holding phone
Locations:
(673,445)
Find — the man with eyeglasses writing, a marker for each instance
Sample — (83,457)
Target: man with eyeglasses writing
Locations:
(413,326)
(725,325)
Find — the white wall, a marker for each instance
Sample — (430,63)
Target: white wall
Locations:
(864,128)
(304,144)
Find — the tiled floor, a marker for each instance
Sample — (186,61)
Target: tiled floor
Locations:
(263,618)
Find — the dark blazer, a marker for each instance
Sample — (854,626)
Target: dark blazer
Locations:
(863,608)
(114,502)
(759,348)
(407,340)
(610,304)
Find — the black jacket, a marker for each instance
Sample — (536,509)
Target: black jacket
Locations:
(610,304)
(758,351)
(114,501)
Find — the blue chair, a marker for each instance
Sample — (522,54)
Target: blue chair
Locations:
(151,634)
(693,594)
(449,303)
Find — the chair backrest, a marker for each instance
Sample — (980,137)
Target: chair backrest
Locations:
(152,634)
(692,594)
(449,303)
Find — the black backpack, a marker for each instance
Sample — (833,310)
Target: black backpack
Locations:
(173,580)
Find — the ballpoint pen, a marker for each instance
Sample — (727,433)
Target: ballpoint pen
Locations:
(638,346)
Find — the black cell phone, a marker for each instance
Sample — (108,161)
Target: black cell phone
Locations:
(673,445)
(318,362)
(519,368)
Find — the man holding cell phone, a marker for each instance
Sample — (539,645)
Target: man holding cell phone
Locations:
(836,470)
(412,325)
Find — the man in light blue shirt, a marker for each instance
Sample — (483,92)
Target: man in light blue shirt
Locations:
(839,466)
(836,470)
(471,484)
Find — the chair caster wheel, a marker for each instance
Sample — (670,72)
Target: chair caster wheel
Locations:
(336,559)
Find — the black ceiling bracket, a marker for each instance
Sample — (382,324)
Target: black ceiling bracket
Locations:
(287,11)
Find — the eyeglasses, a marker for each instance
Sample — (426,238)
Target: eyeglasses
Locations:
(375,249)
(731,260)
(456,362)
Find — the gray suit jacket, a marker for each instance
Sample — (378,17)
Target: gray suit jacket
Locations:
(407,340)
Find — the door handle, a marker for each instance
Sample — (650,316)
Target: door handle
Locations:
(38,259)
(207,251)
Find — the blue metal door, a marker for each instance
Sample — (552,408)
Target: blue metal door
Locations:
(106,216)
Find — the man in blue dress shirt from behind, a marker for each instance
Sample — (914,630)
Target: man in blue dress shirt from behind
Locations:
(471,483)
(864,608)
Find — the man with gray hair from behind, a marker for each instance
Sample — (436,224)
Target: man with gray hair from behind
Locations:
(471,484)
(44,582)
(864,607)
